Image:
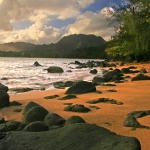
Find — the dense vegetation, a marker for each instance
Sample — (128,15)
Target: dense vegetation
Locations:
(132,39)
(72,46)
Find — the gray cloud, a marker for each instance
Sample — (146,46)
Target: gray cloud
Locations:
(41,11)
(93,23)
(11,10)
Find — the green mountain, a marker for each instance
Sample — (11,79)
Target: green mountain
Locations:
(77,41)
(72,46)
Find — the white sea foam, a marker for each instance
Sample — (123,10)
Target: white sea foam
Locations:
(21,72)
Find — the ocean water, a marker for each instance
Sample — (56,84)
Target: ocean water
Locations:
(21,73)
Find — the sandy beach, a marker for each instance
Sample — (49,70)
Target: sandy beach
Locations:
(135,96)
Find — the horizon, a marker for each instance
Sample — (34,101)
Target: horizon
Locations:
(46,22)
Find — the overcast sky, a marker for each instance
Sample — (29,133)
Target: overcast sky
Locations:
(47,21)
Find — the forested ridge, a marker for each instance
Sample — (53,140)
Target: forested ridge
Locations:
(72,46)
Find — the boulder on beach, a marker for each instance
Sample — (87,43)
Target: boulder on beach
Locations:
(12,125)
(131,119)
(17,110)
(15,103)
(51,96)
(103,64)
(3,127)
(109,75)
(131,122)
(125,70)
(140,77)
(21,90)
(98,80)
(55,69)
(62,85)
(36,113)
(3,87)
(94,71)
(78,136)
(104,100)
(71,96)
(21,126)
(52,119)
(81,87)
(143,70)
(117,77)
(2,119)
(4,99)
(29,106)
(36,126)
(36,64)
(77,108)
(4,78)
(74,119)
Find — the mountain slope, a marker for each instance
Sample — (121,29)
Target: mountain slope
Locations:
(72,46)
(67,43)
(77,41)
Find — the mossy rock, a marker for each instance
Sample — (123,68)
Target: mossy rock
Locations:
(81,87)
(78,136)
(140,77)
(36,64)
(17,110)
(74,119)
(55,69)
(104,100)
(143,70)
(4,99)
(98,79)
(131,122)
(15,103)
(3,87)
(21,126)
(108,75)
(52,119)
(36,113)
(3,127)
(51,96)
(125,70)
(36,126)
(67,97)
(131,119)
(94,71)
(12,125)
(2,119)
(77,108)
(29,106)
(137,114)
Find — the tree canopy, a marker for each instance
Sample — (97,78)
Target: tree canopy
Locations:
(132,31)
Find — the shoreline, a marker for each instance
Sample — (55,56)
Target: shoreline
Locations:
(134,95)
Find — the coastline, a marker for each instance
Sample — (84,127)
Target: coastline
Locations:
(135,96)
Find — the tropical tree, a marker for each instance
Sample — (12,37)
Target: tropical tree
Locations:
(133,29)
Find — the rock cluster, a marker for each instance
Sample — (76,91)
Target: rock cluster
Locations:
(73,135)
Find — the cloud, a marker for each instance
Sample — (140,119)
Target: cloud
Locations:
(41,12)
(93,23)
(63,9)
(12,10)
(85,3)
(37,34)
